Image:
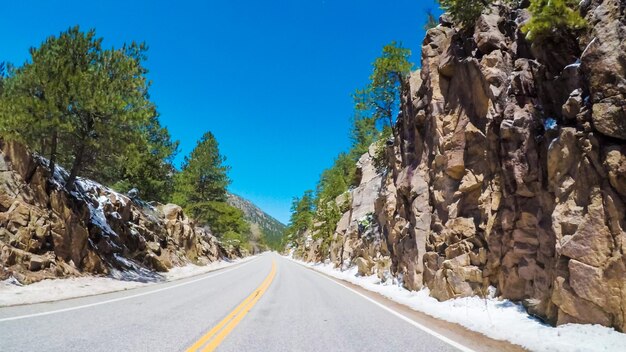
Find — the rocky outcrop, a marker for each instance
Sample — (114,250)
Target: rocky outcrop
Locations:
(47,232)
(508,170)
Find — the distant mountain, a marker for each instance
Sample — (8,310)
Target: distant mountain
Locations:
(262,224)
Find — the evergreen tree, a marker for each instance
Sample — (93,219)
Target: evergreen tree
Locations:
(221,217)
(548,17)
(337,179)
(465,12)
(147,165)
(431,20)
(302,210)
(364,131)
(334,182)
(326,218)
(272,240)
(203,176)
(380,100)
(76,102)
(2,76)
(200,188)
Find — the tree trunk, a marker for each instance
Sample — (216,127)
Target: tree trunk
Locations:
(405,99)
(53,153)
(78,163)
(43,146)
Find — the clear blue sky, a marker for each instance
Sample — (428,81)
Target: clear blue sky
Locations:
(271,79)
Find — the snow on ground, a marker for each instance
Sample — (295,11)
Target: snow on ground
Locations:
(495,318)
(182,272)
(11,293)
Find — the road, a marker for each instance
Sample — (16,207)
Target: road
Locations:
(266,304)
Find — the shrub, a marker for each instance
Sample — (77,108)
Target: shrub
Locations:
(465,12)
(551,16)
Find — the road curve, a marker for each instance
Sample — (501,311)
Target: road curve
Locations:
(267,304)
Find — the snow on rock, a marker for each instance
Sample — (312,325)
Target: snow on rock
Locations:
(59,176)
(131,271)
(91,229)
(497,319)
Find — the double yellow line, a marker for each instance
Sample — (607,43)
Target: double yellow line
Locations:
(216,335)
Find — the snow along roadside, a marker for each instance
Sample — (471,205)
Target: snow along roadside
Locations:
(11,293)
(492,317)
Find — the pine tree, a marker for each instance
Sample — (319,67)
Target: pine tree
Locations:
(326,218)
(76,102)
(337,179)
(364,131)
(465,12)
(379,102)
(548,17)
(221,217)
(200,188)
(302,210)
(147,165)
(203,176)
(2,76)
(431,20)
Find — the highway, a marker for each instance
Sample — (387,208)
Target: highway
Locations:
(267,304)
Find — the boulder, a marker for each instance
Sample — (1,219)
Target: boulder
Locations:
(172,212)
(487,35)
(364,266)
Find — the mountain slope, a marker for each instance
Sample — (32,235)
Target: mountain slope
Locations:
(262,224)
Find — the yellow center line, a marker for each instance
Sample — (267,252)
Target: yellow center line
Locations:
(227,324)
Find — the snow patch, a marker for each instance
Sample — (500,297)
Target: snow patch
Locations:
(98,218)
(58,289)
(133,271)
(90,192)
(59,176)
(496,318)
(588,46)
(181,272)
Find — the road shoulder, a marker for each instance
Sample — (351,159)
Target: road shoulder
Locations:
(455,332)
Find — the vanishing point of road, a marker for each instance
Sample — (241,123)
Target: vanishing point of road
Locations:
(266,304)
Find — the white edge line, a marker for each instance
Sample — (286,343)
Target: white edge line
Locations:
(125,297)
(398,315)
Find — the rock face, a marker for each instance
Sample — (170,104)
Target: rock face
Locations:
(46,232)
(508,170)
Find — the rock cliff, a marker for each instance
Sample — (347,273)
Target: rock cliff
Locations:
(508,169)
(46,232)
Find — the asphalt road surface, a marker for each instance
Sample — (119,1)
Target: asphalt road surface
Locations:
(266,304)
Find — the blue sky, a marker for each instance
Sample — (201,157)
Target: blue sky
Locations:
(271,79)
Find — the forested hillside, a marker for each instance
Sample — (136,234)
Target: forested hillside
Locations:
(263,227)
